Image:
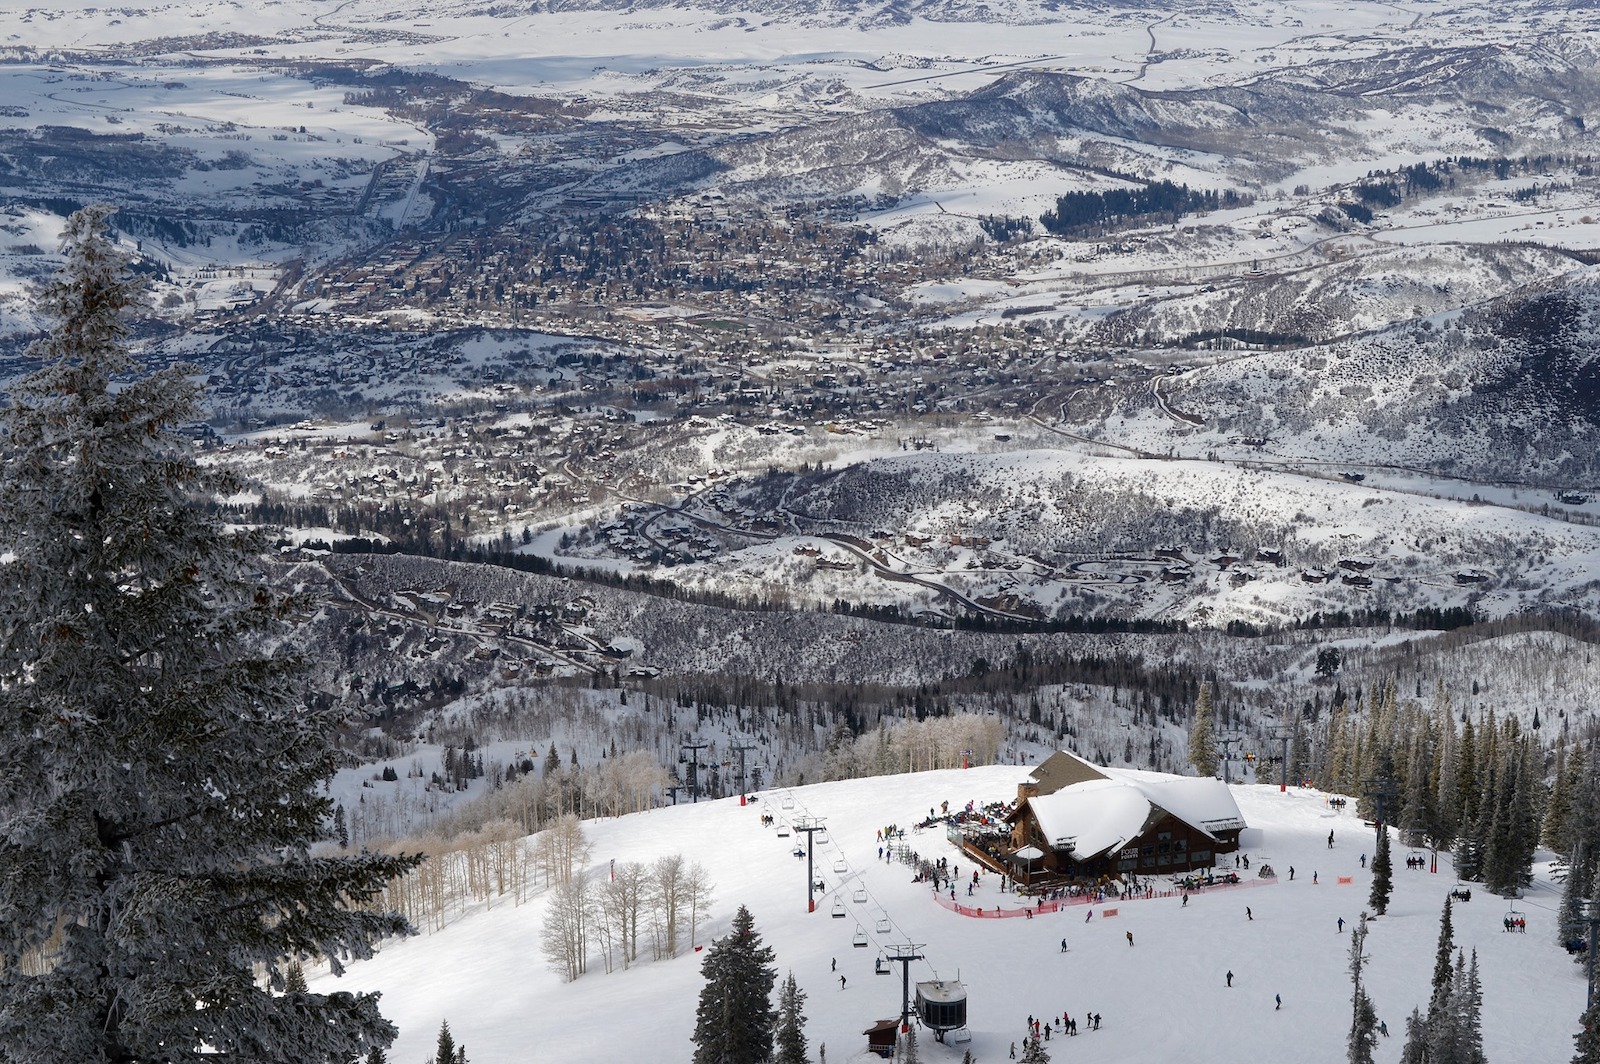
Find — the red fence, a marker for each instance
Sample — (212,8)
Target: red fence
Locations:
(1027,912)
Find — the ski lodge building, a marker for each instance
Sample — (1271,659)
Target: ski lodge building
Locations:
(1076,822)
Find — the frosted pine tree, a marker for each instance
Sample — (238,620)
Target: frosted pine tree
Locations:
(790,1038)
(1382,874)
(734,1021)
(160,791)
(1588,1036)
(1364,1020)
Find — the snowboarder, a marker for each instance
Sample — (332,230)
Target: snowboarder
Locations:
(1278,999)
(1313,878)
(1185,901)
(1088,916)
(1291,873)
(1013,1051)
(1063,945)
(1383,1028)
(1341,925)
(1230,977)
(1363,860)
(1248,915)
(1330,838)
(1130,938)
(841,982)
(835,962)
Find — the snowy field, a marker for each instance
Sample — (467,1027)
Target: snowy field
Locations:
(1165,998)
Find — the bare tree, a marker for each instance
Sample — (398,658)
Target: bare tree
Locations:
(561,848)
(565,935)
(667,890)
(625,895)
(697,897)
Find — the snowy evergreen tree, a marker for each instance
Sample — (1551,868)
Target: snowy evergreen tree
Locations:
(1446,774)
(1568,777)
(1417,815)
(908,1052)
(1441,961)
(1034,1052)
(1569,916)
(1364,1019)
(1455,1033)
(1382,874)
(1416,1047)
(163,777)
(1588,1036)
(734,1021)
(790,1038)
(1467,1004)
(294,980)
(445,1051)
(1202,735)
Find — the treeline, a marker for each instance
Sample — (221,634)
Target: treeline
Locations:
(1077,210)
(1472,786)
(1001,228)
(1389,188)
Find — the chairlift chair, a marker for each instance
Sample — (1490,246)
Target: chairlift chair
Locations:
(838,910)
(883,925)
(860,895)
(860,941)
(788,802)
(1516,920)
(840,866)
(822,836)
(783,830)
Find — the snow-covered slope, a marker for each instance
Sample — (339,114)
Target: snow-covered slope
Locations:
(1165,998)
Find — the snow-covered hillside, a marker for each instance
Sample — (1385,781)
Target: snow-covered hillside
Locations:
(1165,998)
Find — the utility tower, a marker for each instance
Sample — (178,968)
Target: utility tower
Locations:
(1285,736)
(1382,791)
(741,751)
(904,955)
(810,825)
(694,767)
(1227,742)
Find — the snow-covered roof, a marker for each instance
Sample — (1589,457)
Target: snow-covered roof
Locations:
(1029,853)
(1100,815)
(1091,817)
(939,990)
(1205,803)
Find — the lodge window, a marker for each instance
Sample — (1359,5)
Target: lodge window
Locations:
(1200,857)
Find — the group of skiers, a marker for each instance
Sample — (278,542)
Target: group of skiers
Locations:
(1040,1028)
